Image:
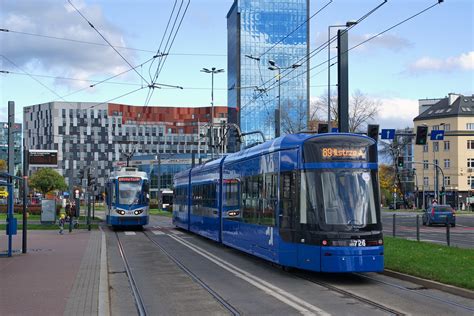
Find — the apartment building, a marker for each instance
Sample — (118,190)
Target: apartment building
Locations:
(454,154)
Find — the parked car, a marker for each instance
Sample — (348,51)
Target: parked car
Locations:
(439,214)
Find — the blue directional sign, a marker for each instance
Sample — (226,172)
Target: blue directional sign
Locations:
(437,135)
(387,134)
(334,130)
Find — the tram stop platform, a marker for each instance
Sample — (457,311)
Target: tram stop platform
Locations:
(59,274)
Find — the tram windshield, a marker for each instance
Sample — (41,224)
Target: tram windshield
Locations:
(341,197)
(129,192)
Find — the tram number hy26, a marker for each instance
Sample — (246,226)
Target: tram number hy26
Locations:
(357,243)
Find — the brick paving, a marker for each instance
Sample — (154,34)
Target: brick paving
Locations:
(58,275)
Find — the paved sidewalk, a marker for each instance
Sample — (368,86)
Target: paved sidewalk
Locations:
(59,275)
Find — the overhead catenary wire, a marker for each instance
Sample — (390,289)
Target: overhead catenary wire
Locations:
(105,39)
(106,45)
(29,75)
(320,48)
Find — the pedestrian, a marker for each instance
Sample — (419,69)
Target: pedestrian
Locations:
(62,220)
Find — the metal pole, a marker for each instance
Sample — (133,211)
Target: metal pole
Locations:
(25,194)
(448,237)
(212,113)
(88,211)
(418,227)
(160,197)
(394,225)
(279,102)
(329,77)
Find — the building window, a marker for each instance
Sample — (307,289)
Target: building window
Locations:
(425,164)
(426,181)
(435,146)
(425,148)
(447,164)
(447,180)
(447,127)
(470,181)
(435,128)
(470,126)
(446,145)
(470,144)
(470,162)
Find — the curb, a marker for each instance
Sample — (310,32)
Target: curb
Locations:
(104,300)
(430,284)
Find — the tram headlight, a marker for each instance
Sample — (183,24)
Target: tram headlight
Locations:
(138,212)
(121,212)
(233,213)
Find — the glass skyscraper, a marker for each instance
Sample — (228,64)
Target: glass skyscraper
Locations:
(259,31)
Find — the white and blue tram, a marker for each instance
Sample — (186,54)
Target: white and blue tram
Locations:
(127,199)
(304,201)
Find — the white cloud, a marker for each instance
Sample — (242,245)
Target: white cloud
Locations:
(391,42)
(57,57)
(462,62)
(397,113)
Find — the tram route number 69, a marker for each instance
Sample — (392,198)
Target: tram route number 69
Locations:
(357,243)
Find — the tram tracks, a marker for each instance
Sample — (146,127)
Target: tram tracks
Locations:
(193,276)
(354,295)
(414,291)
(141,309)
(348,294)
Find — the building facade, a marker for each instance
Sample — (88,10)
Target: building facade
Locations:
(259,32)
(97,135)
(16,141)
(454,154)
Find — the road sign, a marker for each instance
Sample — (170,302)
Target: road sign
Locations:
(437,135)
(3,192)
(387,134)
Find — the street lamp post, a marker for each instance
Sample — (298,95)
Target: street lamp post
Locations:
(274,66)
(212,71)
(348,24)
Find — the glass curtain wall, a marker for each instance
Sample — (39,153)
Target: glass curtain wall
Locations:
(268,30)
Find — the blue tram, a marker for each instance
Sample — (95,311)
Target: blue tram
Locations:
(127,199)
(304,201)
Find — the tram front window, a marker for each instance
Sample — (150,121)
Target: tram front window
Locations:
(129,192)
(344,198)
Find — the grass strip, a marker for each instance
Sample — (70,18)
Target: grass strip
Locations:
(449,265)
(48,227)
(160,212)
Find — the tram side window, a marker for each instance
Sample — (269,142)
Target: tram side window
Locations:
(204,198)
(288,199)
(259,198)
(231,193)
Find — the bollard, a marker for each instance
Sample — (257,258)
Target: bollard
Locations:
(394,225)
(448,237)
(417,227)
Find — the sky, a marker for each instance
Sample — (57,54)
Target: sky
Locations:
(428,56)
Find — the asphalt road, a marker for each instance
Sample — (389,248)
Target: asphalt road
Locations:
(405,226)
(184,274)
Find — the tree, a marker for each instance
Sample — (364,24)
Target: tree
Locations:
(3,165)
(294,116)
(362,109)
(46,180)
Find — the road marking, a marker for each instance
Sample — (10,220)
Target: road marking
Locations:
(300,305)
(177,232)
(157,232)
(130,233)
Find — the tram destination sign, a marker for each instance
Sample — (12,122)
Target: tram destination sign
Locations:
(343,153)
(129,179)
(43,158)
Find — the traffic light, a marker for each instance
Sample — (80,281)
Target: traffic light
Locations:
(400,162)
(421,135)
(373,131)
(323,128)
(443,191)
